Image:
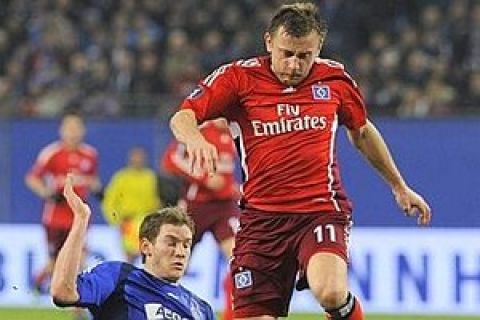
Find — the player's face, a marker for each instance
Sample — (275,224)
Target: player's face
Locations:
(137,158)
(168,256)
(72,130)
(292,57)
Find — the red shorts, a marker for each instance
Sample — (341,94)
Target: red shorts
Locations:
(270,249)
(55,239)
(218,217)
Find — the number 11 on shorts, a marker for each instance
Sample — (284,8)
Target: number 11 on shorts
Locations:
(325,232)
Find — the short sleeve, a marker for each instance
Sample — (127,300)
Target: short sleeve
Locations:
(214,94)
(352,112)
(42,162)
(96,285)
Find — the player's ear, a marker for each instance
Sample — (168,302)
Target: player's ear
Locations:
(268,41)
(321,41)
(146,247)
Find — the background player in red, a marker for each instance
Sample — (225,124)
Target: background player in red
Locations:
(210,199)
(286,108)
(47,177)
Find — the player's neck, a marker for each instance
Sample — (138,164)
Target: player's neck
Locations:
(71,145)
(150,270)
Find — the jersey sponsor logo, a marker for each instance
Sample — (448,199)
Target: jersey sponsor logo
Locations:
(290,119)
(196,93)
(157,311)
(321,92)
(243,279)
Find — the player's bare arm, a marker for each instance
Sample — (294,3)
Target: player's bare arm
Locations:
(370,143)
(37,186)
(63,286)
(200,152)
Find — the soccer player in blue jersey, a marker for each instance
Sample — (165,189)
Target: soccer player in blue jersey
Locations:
(117,290)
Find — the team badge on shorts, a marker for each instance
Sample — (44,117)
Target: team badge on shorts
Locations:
(321,92)
(243,279)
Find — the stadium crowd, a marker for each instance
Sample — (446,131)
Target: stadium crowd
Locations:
(412,58)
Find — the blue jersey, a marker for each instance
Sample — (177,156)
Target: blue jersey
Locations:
(120,291)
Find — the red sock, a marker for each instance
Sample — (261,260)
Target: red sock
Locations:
(227,291)
(351,308)
(357,313)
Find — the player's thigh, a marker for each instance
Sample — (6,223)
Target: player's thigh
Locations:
(327,277)
(324,255)
(226,225)
(208,217)
(202,225)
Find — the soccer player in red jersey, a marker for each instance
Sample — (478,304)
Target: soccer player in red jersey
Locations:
(47,178)
(285,109)
(211,200)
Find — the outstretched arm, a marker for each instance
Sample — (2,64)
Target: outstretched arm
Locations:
(63,287)
(370,143)
(200,153)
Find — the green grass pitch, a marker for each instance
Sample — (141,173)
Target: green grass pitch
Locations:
(51,314)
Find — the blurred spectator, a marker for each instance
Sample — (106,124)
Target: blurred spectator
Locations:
(414,104)
(132,58)
(6,100)
(472,98)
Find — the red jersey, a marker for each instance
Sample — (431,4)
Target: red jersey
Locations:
(53,163)
(174,161)
(286,135)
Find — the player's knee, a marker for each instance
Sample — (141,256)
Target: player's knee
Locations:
(329,297)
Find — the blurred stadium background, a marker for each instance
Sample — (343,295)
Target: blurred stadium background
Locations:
(125,64)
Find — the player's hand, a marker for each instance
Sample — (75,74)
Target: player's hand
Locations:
(202,155)
(413,205)
(79,208)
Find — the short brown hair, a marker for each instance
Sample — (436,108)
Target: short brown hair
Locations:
(298,18)
(151,224)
